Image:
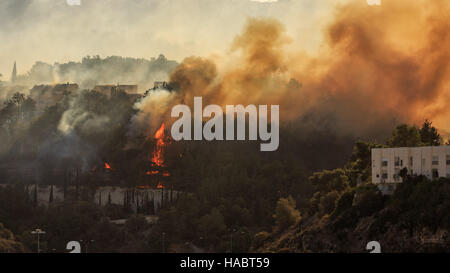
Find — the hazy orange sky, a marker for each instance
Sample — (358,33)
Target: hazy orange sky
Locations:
(51,31)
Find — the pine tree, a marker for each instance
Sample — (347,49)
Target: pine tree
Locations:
(76,185)
(65,184)
(152,206)
(429,134)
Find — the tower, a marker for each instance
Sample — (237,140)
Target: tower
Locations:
(14,74)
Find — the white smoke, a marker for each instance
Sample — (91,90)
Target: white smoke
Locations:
(78,117)
(153,110)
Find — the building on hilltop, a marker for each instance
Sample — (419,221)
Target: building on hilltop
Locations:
(161,85)
(430,161)
(108,89)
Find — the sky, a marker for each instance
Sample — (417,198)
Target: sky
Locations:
(52,31)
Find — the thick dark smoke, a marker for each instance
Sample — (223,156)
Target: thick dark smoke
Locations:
(387,63)
(377,67)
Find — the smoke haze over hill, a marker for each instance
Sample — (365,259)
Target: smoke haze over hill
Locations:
(356,67)
(51,31)
(94,70)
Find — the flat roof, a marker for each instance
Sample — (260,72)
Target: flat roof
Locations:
(417,147)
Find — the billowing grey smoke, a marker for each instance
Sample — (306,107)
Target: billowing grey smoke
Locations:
(79,117)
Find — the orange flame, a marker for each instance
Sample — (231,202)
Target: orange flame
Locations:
(160,133)
(107,166)
(158,154)
(157,157)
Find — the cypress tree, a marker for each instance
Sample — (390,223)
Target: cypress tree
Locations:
(50,199)
(35,195)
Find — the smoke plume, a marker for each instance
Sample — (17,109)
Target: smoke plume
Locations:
(377,66)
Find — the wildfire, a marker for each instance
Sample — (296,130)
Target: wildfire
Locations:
(158,157)
(165,173)
(144,187)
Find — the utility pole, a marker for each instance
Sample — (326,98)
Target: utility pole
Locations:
(38,232)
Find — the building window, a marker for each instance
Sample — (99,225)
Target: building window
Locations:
(448,173)
(435,160)
(397,161)
(384,175)
(384,162)
(448,160)
(435,173)
(410,160)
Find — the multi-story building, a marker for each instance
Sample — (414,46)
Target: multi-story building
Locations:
(430,161)
(110,89)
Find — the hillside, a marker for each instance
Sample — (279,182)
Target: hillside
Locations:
(347,211)
(415,219)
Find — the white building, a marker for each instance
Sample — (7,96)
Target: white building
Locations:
(431,161)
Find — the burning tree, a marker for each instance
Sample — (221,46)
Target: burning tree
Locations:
(157,162)
(161,142)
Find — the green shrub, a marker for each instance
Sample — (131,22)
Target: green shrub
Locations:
(285,214)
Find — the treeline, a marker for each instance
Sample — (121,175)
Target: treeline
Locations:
(230,189)
(81,221)
(346,211)
(256,199)
(69,140)
(234,198)
(93,70)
